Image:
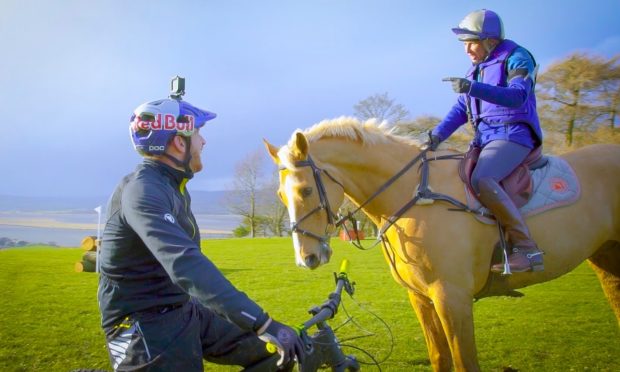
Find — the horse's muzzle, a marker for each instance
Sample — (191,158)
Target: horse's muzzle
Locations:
(312,261)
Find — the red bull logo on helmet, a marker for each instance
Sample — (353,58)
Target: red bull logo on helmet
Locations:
(164,122)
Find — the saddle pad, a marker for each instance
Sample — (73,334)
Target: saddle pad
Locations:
(554,185)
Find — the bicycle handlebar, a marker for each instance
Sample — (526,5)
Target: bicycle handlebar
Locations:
(330,307)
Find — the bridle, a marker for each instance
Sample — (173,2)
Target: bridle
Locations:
(332,218)
(336,220)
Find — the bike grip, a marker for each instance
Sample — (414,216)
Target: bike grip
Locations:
(344,266)
(272,348)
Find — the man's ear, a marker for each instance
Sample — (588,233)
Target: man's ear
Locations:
(177,145)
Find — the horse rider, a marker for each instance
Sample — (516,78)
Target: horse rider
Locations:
(497,97)
(164,305)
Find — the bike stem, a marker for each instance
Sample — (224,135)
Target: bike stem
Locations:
(329,308)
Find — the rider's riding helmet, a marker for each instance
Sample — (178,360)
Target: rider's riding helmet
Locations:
(154,124)
(480,25)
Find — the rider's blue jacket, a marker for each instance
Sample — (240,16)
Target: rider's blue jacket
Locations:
(501,99)
(150,252)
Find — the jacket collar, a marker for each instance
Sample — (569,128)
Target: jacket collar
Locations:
(176,175)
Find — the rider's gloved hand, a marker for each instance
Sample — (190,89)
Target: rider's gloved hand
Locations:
(459,85)
(286,340)
(433,142)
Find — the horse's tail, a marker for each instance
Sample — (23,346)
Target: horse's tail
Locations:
(606,264)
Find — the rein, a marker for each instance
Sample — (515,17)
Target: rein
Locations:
(331,216)
(336,220)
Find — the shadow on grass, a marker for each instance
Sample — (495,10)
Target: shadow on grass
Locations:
(420,362)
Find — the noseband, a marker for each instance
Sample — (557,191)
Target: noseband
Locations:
(332,218)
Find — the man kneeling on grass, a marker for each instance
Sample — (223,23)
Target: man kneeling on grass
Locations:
(164,305)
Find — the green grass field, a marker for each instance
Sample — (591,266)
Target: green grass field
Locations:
(49,319)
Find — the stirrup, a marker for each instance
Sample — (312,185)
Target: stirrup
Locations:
(533,256)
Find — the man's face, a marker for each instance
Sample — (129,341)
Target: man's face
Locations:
(198,143)
(475,50)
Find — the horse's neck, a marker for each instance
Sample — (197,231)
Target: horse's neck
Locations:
(364,169)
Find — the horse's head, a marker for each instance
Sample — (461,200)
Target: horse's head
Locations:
(312,197)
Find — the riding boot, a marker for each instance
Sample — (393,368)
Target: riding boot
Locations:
(525,254)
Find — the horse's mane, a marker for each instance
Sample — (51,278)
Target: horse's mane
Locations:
(367,132)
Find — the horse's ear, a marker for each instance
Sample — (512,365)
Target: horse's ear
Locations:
(300,147)
(273,151)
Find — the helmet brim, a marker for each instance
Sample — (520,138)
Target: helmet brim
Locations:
(464,34)
(200,116)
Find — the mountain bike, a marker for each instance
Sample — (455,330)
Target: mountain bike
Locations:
(322,347)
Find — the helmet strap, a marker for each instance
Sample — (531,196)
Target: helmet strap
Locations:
(186,159)
(188,155)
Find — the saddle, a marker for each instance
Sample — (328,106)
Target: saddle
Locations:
(518,185)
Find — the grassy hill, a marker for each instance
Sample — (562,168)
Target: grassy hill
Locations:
(49,319)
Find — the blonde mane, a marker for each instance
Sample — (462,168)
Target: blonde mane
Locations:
(368,132)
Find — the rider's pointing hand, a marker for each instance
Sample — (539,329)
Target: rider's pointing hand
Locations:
(459,85)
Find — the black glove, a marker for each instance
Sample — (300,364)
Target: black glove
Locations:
(459,85)
(433,141)
(285,338)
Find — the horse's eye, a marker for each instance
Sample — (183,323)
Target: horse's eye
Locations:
(306,191)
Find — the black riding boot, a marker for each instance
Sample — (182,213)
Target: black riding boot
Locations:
(525,254)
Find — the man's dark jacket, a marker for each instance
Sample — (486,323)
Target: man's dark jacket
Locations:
(150,252)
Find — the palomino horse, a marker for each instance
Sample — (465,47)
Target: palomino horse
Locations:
(442,257)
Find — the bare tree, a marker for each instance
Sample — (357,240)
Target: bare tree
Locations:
(243,199)
(416,128)
(381,107)
(610,93)
(255,199)
(274,210)
(579,93)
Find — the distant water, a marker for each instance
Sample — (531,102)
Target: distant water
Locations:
(43,235)
(72,237)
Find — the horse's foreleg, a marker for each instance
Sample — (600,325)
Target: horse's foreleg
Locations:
(436,342)
(454,307)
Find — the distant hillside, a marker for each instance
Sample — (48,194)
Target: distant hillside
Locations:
(203,202)
(209,202)
(41,203)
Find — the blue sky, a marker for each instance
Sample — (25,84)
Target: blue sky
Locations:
(72,72)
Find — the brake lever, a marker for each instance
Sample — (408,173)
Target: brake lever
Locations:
(348,286)
(307,342)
